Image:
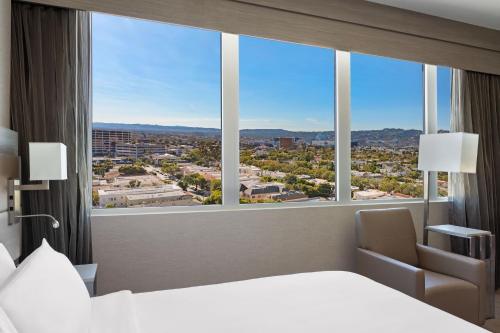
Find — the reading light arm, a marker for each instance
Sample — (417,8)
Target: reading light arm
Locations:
(55,223)
(14,196)
(44,185)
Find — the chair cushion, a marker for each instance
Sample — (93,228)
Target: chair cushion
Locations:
(455,296)
(389,232)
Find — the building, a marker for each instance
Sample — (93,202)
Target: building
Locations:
(104,141)
(165,195)
(172,198)
(285,142)
(323,143)
(159,159)
(249,170)
(274,174)
(366,174)
(261,151)
(290,196)
(263,191)
(136,150)
(369,194)
(208,173)
(248,181)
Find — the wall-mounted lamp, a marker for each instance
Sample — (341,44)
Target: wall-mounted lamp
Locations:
(47,162)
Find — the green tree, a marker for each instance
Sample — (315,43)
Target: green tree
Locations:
(170,168)
(182,184)
(245,200)
(201,182)
(134,183)
(215,185)
(214,198)
(131,170)
(291,179)
(266,179)
(325,190)
(102,167)
(196,180)
(95,198)
(388,185)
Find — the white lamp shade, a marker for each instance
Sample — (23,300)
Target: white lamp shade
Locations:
(451,152)
(47,161)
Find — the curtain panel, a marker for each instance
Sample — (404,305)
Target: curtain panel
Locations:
(50,102)
(475,198)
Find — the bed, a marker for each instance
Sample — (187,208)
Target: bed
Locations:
(310,302)
(45,294)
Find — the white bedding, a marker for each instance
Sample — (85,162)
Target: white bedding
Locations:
(310,302)
(114,313)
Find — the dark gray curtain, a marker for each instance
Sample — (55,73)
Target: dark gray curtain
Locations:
(50,102)
(475,198)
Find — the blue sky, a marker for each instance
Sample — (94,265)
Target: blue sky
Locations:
(155,73)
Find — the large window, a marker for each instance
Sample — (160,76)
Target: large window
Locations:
(163,92)
(287,139)
(156,138)
(387,119)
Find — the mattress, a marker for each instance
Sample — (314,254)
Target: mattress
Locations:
(309,302)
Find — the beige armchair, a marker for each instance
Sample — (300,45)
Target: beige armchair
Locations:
(389,254)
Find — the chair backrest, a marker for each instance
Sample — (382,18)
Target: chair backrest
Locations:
(389,232)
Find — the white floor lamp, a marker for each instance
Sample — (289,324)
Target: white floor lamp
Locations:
(447,152)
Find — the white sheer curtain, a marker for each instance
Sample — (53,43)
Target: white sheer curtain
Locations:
(475,198)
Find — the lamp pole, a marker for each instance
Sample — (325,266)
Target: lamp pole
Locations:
(426,207)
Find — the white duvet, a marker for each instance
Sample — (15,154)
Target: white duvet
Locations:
(309,302)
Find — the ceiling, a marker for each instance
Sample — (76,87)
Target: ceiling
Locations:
(485,13)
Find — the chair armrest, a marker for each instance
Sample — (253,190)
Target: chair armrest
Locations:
(456,265)
(448,263)
(392,273)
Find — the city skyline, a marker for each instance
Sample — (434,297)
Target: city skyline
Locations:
(154,73)
(116,125)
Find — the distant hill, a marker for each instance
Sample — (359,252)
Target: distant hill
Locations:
(393,137)
(186,130)
(276,133)
(159,129)
(385,137)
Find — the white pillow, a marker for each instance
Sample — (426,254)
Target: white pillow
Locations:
(7,266)
(46,295)
(6,325)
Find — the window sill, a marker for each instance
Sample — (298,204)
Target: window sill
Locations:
(259,206)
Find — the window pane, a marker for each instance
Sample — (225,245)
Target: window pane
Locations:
(444,113)
(156,111)
(287,139)
(387,112)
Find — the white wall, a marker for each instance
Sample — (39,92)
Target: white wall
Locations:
(9,235)
(163,251)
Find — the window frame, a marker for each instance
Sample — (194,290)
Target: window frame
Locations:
(231,147)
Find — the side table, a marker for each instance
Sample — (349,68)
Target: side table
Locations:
(486,252)
(88,274)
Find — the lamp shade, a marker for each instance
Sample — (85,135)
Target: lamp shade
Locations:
(451,152)
(47,161)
